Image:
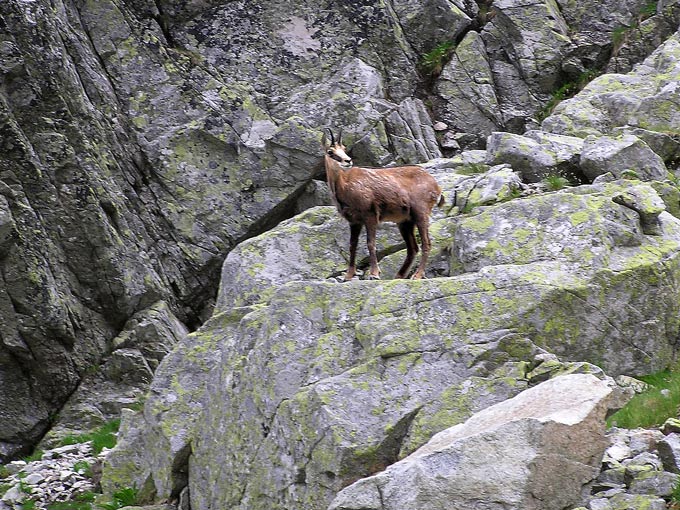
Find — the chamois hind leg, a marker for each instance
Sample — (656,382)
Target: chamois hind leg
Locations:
(424,231)
(354,231)
(406,229)
(371,230)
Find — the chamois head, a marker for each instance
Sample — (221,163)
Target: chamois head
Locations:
(335,149)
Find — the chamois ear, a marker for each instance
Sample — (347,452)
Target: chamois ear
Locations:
(324,141)
(340,137)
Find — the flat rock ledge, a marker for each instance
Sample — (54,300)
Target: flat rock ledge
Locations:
(538,450)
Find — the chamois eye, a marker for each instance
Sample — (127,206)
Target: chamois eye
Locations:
(330,153)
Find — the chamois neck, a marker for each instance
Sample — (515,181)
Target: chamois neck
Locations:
(333,169)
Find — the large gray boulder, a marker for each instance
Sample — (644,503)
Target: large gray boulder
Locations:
(537,155)
(625,155)
(537,450)
(465,90)
(526,43)
(644,98)
(319,383)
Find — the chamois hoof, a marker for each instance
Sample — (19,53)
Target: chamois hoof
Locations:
(373,277)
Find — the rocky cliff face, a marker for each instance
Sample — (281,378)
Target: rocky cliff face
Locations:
(143,142)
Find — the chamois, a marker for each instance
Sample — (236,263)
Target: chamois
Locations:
(404,195)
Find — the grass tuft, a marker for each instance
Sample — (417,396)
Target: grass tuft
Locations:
(36,455)
(121,498)
(103,437)
(433,62)
(566,91)
(556,182)
(652,407)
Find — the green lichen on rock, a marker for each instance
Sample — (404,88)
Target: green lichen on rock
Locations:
(544,274)
(640,98)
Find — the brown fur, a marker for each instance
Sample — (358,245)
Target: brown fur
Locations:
(404,195)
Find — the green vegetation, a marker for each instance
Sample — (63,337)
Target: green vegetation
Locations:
(103,437)
(81,502)
(86,501)
(648,10)
(556,182)
(70,505)
(83,467)
(4,472)
(433,62)
(674,503)
(123,497)
(4,487)
(567,90)
(653,406)
(620,34)
(36,455)
(138,405)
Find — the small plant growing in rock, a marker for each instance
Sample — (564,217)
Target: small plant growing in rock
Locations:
(674,502)
(567,90)
(103,437)
(619,37)
(433,61)
(83,467)
(36,455)
(70,505)
(121,498)
(138,405)
(80,502)
(647,11)
(556,182)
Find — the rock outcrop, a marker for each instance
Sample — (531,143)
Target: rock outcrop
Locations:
(142,141)
(145,142)
(538,450)
(321,383)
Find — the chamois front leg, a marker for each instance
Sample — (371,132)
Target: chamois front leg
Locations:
(371,230)
(354,232)
(424,231)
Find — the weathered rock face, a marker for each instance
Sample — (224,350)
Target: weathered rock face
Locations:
(537,450)
(500,77)
(142,141)
(645,98)
(627,154)
(323,383)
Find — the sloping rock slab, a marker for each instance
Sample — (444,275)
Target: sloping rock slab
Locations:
(644,98)
(534,451)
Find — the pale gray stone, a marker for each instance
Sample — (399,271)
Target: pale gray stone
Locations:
(626,155)
(654,483)
(556,426)
(669,451)
(536,155)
